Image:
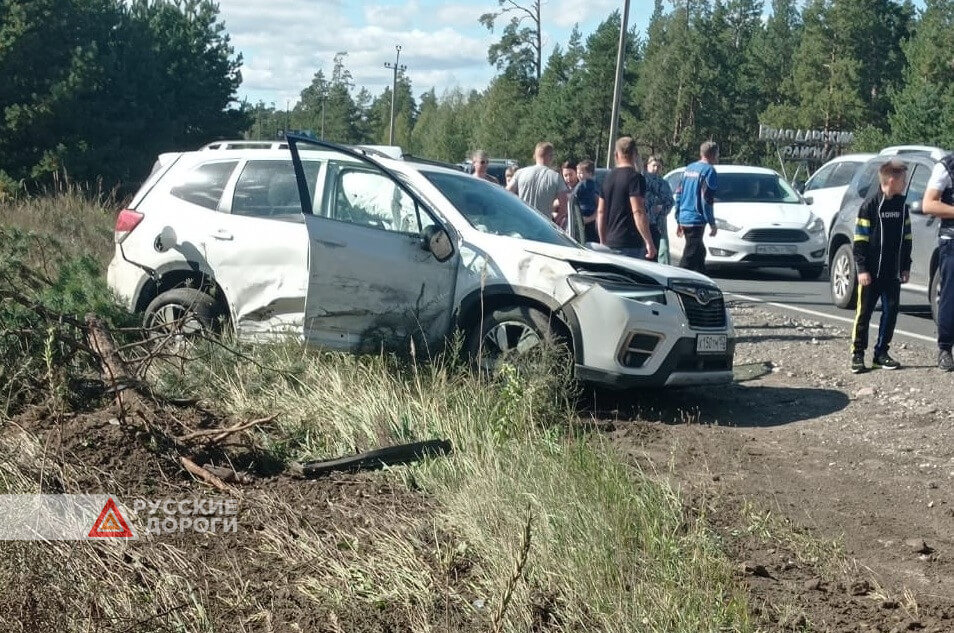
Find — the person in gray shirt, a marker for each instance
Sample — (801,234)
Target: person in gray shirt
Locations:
(539,185)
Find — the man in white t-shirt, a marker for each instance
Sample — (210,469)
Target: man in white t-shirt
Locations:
(539,185)
(939,202)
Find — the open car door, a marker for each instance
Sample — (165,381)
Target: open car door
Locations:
(382,269)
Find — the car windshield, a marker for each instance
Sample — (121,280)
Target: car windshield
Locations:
(753,187)
(493,209)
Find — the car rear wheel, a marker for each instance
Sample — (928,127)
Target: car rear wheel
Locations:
(935,290)
(844,280)
(811,273)
(180,313)
(510,335)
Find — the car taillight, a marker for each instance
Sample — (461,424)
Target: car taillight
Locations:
(126,221)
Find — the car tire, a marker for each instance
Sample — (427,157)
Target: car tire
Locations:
(811,273)
(935,293)
(181,312)
(512,332)
(843,278)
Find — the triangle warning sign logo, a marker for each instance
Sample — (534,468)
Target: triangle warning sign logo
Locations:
(110,523)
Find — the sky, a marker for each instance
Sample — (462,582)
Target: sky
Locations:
(284,42)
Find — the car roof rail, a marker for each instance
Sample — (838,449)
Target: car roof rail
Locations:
(936,153)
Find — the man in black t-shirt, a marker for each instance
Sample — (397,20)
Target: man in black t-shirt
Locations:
(621,212)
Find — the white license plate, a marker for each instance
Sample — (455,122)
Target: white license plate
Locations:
(710,343)
(776,249)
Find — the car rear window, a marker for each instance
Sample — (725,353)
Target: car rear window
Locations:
(204,184)
(268,188)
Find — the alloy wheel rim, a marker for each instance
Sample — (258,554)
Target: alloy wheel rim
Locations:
(841,277)
(508,339)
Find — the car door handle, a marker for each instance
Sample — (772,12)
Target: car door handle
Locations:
(222,234)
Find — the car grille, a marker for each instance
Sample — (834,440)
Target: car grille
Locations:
(708,315)
(785,236)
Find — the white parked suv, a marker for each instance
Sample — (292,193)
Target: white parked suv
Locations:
(357,253)
(826,188)
(762,223)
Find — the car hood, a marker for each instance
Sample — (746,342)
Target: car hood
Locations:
(581,257)
(763,214)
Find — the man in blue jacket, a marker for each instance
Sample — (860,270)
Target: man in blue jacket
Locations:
(694,198)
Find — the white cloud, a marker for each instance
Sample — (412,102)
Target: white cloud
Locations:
(566,13)
(285,43)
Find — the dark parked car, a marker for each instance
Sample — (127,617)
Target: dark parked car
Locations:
(841,262)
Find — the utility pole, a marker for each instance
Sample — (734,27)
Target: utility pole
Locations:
(617,87)
(396,67)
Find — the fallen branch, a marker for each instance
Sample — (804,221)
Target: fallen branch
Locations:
(220,434)
(204,475)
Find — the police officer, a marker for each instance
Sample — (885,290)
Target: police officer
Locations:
(939,202)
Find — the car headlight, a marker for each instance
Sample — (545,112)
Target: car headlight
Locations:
(816,225)
(618,285)
(722,225)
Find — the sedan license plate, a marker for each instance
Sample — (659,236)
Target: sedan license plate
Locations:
(710,344)
(776,249)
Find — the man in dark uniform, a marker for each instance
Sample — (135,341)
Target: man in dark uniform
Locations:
(939,202)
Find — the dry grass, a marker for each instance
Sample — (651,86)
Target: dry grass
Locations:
(432,548)
(611,549)
(79,221)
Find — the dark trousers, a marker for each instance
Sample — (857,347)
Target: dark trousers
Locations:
(945,302)
(694,253)
(657,234)
(590,234)
(889,291)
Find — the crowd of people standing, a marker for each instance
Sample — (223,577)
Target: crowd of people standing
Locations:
(628,214)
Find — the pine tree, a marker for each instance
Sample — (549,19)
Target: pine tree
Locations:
(924,108)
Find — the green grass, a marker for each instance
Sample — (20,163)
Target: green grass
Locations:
(611,549)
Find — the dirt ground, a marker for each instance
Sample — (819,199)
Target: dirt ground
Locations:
(834,492)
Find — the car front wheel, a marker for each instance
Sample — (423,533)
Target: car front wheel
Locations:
(844,280)
(511,334)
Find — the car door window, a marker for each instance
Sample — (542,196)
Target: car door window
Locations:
(842,174)
(820,178)
(204,184)
(867,177)
(919,182)
(369,198)
(268,188)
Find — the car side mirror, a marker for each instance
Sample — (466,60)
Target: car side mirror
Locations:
(435,240)
(166,240)
(916,207)
(809,200)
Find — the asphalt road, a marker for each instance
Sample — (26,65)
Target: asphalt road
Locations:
(784,290)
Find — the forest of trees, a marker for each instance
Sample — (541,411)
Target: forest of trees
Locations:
(93,90)
(704,69)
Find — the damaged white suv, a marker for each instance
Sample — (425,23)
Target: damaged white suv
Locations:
(355,253)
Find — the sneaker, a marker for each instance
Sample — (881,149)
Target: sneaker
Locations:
(945,361)
(857,363)
(883,361)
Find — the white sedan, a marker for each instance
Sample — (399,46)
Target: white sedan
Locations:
(762,222)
